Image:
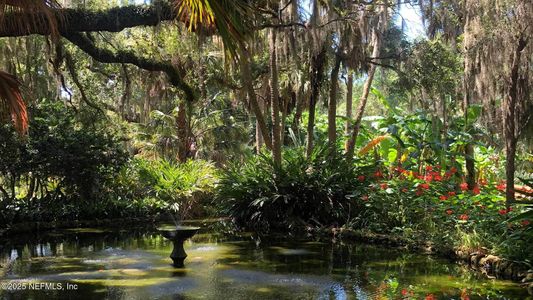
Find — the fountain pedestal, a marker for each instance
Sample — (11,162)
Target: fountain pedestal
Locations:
(178,235)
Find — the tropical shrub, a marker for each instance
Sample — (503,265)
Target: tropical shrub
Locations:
(159,185)
(436,206)
(303,191)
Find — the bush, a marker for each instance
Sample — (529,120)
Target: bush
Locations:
(59,169)
(157,186)
(317,190)
(436,206)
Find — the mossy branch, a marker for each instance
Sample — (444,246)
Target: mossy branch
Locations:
(82,20)
(128,57)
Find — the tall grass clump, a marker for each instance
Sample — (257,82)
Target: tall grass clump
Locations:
(314,191)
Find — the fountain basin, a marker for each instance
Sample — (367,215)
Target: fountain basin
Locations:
(178,235)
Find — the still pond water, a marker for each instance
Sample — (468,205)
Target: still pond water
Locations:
(134,264)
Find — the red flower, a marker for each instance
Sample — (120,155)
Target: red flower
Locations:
(378,174)
(437,177)
(453,170)
(464,295)
(364,198)
(475,190)
(464,217)
(525,223)
(384,186)
(501,187)
(449,212)
(451,194)
(428,178)
(463,186)
(443,198)
(430,297)
(361,178)
(502,212)
(424,186)
(404,292)
(429,168)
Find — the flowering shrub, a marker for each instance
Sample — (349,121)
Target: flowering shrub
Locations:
(437,205)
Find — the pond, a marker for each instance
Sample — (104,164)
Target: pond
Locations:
(133,263)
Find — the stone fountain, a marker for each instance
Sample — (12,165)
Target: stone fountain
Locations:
(178,235)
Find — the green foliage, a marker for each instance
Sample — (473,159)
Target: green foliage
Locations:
(158,186)
(432,65)
(61,165)
(180,186)
(436,206)
(80,155)
(315,190)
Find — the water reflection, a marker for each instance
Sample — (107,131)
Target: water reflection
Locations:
(134,264)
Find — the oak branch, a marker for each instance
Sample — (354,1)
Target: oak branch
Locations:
(75,23)
(83,20)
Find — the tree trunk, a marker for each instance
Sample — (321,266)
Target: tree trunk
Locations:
(247,80)
(469,148)
(181,124)
(284,112)
(202,67)
(126,95)
(259,141)
(274,100)
(31,187)
(349,101)
(444,131)
(332,105)
(317,68)
(377,36)
(509,121)
(299,107)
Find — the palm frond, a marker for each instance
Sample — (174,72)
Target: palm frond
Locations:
(373,143)
(30,14)
(231,18)
(12,102)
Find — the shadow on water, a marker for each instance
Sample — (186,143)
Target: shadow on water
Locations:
(134,264)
